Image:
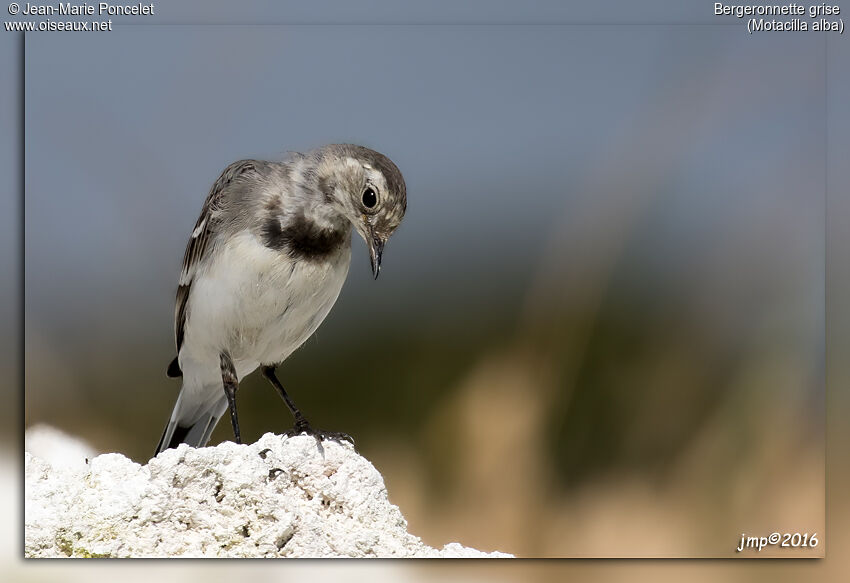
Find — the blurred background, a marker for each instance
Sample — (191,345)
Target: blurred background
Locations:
(600,329)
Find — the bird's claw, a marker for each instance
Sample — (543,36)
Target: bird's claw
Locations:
(302,427)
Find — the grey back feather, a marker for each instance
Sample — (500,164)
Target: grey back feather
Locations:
(200,242)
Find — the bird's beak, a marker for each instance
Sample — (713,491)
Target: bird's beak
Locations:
(376,249)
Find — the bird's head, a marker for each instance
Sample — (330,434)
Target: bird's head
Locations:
(368,189)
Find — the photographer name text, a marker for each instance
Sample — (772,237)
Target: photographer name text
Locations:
(99,9)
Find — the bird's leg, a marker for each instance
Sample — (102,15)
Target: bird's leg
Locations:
(268,372)
(231,383)
(301,423)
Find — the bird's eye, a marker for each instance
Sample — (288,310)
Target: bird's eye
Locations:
(370,199)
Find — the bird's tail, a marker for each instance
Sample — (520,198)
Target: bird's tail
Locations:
(193,419)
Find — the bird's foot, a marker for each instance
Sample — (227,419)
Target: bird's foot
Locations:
(302,427)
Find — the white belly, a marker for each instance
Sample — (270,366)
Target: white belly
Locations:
(257,304)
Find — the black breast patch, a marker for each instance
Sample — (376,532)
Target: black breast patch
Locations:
(302,239)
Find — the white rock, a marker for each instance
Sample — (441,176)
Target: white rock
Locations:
(279,497)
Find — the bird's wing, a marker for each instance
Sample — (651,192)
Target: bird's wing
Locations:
(199,245)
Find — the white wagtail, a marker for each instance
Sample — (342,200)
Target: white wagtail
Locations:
(263,267)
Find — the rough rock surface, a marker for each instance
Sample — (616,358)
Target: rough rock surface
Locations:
(279,497)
